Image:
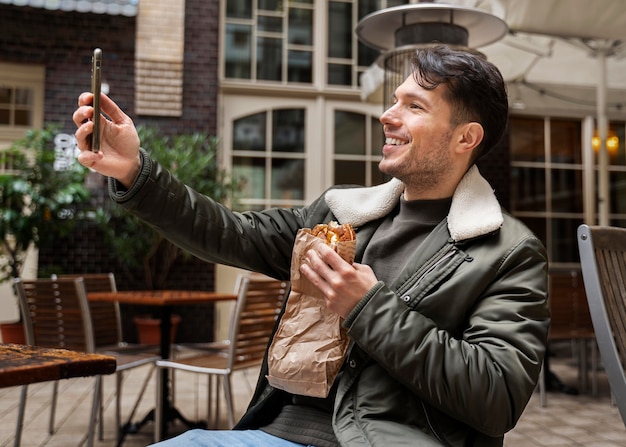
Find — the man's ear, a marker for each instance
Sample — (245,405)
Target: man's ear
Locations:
(471,134)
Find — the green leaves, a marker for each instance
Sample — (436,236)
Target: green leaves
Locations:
(193,159)
(37,202)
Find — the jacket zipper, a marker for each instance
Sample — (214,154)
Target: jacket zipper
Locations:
(430,424)
(410,284)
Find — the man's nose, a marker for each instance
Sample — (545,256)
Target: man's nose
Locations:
(390,116)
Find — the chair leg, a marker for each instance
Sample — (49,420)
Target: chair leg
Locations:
(229,400)
(159,406)
(542,386)
(216,387)
(94,411)
(53,406)
(583,367)
(100,419)
(594,366)
(142,391)
(20,416)
(213,384)
(118,405)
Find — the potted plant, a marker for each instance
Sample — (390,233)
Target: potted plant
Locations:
(39,196)
(144,256)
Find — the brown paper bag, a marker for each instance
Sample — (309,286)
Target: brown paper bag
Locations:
(309,346)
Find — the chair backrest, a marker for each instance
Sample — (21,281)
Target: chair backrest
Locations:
(56,313)
(259,302)
(105,316)
(603,260)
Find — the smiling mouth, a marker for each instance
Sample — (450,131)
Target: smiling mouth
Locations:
(395,142)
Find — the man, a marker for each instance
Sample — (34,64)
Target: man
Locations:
(445,305)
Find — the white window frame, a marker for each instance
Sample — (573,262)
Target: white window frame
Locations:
(31,77)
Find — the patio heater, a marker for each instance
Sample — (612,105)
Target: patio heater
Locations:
(399,31)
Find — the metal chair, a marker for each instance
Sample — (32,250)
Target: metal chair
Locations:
(108,338)
(259,302)
(603,260)
(56,315)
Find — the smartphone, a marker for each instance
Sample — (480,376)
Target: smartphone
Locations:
(96,82)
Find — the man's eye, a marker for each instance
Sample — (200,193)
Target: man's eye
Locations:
(415,106)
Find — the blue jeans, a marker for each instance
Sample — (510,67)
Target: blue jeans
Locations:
(226,438)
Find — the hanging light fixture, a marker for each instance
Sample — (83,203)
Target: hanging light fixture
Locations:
(612,142)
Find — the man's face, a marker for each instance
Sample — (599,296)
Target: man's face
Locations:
(418,137)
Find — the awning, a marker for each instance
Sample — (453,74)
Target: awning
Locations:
(111,7)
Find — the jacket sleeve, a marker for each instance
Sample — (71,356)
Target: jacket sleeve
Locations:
(481,370)
(257,241)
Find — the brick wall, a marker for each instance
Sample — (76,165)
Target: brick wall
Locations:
(63,43)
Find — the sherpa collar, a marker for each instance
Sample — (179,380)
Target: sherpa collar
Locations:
(475,211)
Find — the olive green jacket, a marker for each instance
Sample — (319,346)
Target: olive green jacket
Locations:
(447,355)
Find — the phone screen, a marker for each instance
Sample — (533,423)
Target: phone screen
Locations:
(96,81)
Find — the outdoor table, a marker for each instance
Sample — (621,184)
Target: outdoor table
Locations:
(165,300)
(26,364)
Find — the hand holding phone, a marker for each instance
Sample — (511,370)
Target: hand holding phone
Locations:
(96,82)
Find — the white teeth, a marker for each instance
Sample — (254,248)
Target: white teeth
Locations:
(395,141)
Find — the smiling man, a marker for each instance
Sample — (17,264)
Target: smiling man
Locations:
(445,305)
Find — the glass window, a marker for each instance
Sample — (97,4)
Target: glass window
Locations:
(241,9)
(565,141)
(300,66)
(16,106)
(349,133)
(249,133)
(274,173)
(617,182)
(271,5)
(340,30)
(527,139)
(291,57)
(528,189)
(5,95)
(339,74)
(287,179)
(357,148)
(269,59)
(547,181)
(567,190)
(252,172)
(270,24)
(288,130)
(300,26)
(270,42)
(349,173)
(238,51)
(22,89)
(563,236)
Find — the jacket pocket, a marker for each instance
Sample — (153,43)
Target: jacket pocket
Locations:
(440,267)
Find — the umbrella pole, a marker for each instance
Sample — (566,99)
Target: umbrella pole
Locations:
(603,155)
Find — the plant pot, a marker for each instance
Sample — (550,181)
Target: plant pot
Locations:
(149,329)
(13,333)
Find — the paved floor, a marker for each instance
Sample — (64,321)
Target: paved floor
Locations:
(567,421)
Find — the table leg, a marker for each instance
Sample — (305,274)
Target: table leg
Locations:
(166,324)
(169,412)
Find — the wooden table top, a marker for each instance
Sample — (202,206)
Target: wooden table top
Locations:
(24,364)
(162,297)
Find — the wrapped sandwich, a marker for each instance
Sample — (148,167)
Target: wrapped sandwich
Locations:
(310,344)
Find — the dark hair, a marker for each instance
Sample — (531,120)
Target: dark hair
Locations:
(475,89)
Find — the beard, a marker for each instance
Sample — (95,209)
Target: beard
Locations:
(425,170)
